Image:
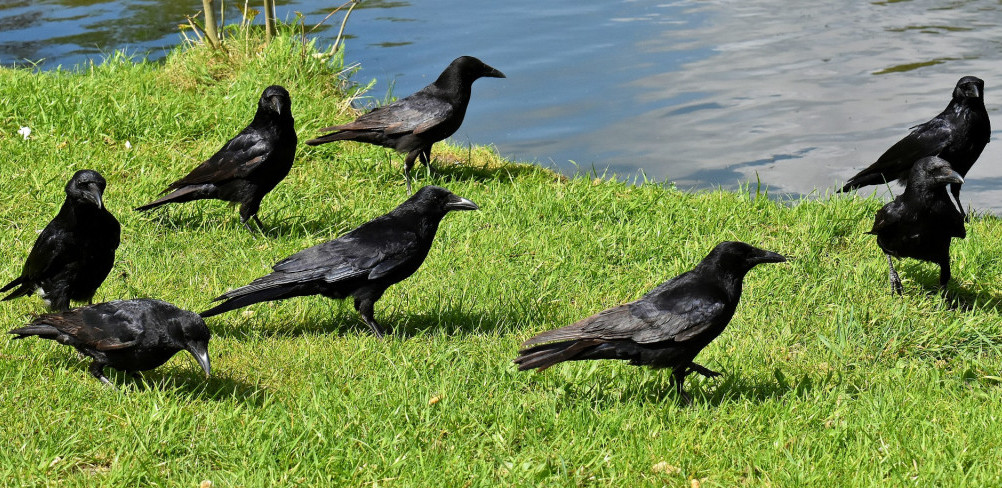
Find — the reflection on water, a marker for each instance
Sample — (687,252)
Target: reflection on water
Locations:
(703,93)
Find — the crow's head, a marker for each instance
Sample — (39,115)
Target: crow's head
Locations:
(933,172)
(194,337)
(435,200)
(969,87)
(738,257)
(87,186)
(275,99)
(464,70)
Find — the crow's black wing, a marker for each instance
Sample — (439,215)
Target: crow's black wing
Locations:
(102,326)
(238,158)
(641,321)
(418,113)
(928,139)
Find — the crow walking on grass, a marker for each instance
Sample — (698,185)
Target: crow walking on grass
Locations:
(248,166)
(666,328)
(76,250)
(920,222)
(958,135)
(412,124)
(128,335)
(362,263)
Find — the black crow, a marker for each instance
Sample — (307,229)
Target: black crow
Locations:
(362,263)
(920,222)
(128,335)
(75,252)
(958,135)
(665,328)
(412,124)
(248,166)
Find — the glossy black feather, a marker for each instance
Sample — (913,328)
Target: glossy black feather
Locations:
(76,250)
(921,222)
(413,124)
(666,328)
(128,335)
(362,263)
(248,166)
(958,134)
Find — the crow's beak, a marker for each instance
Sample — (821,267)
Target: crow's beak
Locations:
(93,195)
(952,177)
(277,105)
(460,203)
(493,73)
(771,257)
(201,353)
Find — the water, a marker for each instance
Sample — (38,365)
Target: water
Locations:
(703,93)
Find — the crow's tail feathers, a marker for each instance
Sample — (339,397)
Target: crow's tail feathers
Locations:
(41,330)
(546,355)
(24,290)
(333,136)
(242,297)
(864,178)
(181,195)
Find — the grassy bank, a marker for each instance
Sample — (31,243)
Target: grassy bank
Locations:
(827,376)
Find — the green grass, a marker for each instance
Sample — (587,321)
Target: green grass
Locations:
(828,378)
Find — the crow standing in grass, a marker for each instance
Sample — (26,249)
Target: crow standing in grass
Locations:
(665,328)
(920,222)
(958,135)
(128,335)
(412,124)
(76,250)
(248,166)
(362,263)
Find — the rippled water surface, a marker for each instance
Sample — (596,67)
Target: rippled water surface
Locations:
(703,93)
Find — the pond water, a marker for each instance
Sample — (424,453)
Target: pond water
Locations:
(708,93)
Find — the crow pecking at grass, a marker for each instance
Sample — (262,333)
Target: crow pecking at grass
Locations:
(666,328)
(128,335)
(362,263)
(412,124)
(76,250)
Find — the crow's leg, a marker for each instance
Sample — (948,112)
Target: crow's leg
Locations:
(248,211)
(703,370)
(426,159)
(893,275)
(678,379)
(248,227)
(364,306)
(944,274)
(408,165)
(97,371)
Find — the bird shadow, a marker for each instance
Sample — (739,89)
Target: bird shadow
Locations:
(956,296)
(340,318)
(448,168)
(201,219)
(218,387)
(709,392)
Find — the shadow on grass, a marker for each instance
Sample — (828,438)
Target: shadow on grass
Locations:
(455,169)
(962,298)
(218,387)
(295,226)
(339,317)
(190,380)
(709,392)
